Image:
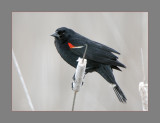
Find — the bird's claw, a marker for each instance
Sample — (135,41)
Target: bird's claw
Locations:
(72,84)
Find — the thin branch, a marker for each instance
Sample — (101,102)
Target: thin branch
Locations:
(143,88)
(22,81)
(74,100)
(142,58)
(79,75)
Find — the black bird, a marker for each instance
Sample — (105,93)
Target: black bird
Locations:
(100,58)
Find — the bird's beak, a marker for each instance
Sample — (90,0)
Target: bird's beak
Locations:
(56,35)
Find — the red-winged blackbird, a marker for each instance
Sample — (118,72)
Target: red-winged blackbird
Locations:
(100,58)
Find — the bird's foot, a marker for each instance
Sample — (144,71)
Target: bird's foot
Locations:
(72,84)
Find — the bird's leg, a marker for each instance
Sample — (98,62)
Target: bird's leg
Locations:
(75,79)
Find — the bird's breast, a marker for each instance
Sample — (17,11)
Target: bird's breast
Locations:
(65,52)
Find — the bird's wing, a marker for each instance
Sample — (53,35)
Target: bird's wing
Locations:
(103,47)
(96,52)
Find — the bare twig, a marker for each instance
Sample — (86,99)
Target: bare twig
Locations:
(79,75)
(143,88)
(142,58)
(22,81)
(74,100)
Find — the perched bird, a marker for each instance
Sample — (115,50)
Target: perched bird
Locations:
(100,58)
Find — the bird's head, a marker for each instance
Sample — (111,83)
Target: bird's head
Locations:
(63,34)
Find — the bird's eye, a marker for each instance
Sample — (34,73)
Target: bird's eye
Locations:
(61,32)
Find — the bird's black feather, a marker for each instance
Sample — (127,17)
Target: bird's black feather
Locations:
(100,58)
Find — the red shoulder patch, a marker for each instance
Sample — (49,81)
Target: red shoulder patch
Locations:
(70,45)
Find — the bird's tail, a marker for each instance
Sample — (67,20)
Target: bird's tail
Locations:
(106,72)
(119,94)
